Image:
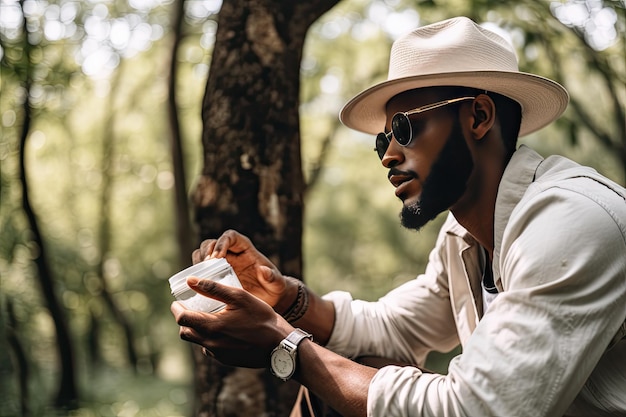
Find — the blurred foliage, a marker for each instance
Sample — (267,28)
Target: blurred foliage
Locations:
(84,51)
(369,253)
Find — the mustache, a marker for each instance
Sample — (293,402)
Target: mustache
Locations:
(396,171)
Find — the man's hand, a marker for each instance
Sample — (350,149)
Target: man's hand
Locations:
(257,274)
(243,334)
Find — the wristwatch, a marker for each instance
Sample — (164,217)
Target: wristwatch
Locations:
(283,357)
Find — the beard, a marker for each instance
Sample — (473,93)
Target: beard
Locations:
(445,184)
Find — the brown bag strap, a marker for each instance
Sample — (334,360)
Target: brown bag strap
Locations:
(296,410)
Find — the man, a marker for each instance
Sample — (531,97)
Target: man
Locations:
(528,273)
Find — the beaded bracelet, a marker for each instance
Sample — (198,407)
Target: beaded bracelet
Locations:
(297,310)
(295,302)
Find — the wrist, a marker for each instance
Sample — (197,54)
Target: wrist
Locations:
(288,297)
(297,309)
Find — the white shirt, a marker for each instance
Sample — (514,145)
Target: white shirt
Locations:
(541,348)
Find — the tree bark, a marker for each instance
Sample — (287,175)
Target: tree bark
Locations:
(252,177)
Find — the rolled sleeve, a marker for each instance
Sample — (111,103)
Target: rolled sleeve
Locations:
(340,338)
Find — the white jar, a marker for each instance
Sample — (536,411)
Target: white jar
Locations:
(216,269)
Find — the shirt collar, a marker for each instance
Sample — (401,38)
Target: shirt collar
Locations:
(518,175)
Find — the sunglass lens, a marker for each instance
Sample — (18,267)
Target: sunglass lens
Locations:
(401,128)
(382,143)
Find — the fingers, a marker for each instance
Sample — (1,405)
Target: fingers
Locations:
(213,341)
(196,327)
(213,289)
(265,274)
(203,252)
(189,334)
(207,330)
(190,318)
(229,241)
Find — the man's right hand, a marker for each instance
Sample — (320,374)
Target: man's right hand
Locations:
(257,274)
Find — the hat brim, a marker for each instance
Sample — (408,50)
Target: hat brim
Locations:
(542,100)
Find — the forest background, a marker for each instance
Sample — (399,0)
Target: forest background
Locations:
(101,126)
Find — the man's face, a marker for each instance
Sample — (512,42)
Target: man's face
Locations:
(444,185)
(431,173)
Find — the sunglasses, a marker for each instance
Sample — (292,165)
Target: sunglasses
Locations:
(401,126)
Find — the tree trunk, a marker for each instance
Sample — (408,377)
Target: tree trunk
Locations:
(67,396)
(15,345)
(181,207)
(106,214)
(252,177)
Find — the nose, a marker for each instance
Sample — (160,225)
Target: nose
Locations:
(393,155)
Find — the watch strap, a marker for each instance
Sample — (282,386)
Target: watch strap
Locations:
(294,338)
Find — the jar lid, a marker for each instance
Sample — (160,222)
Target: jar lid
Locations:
(205,269)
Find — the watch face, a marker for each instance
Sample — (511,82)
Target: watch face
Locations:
(282,363)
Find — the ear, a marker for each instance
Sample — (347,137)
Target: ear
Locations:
(484,116)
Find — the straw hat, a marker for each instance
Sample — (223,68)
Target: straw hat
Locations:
(457,52)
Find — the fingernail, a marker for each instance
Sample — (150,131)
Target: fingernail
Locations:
(193,281)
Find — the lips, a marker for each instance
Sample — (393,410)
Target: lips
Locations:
(400,181)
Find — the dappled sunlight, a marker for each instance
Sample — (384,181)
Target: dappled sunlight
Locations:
(395,23)
(597,21)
